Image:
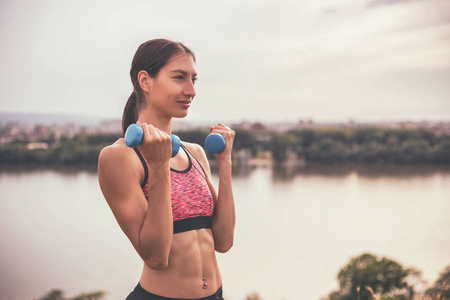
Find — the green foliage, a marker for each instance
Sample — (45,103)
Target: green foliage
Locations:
(367,274)
(56,294)
(371,145)
(373,152)
(253,296)
(193,136)
(90,296)
(362,145)
(441,288)
(414,150)
(279,144)
(367,135)
(441,152)
(244,140)
(327,150)
(97,139)
(305,137)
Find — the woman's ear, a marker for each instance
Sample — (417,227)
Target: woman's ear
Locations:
(144,80)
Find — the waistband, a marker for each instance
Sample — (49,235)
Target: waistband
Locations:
(149,296)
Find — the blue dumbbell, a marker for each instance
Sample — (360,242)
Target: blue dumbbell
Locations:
(134,134)
(215,143)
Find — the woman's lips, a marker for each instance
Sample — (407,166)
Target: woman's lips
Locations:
(185,103)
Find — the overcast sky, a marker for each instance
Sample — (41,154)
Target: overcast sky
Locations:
(265,60)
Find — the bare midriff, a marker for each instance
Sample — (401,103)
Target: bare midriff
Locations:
(192,271)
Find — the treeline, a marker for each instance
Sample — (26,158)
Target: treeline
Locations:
(362,145)
(82,150)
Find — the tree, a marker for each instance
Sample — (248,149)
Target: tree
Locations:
(193,136)
(90,296)
(253,296)
(327,151)
(367,135)
(441,288)
(56,294)
(367,274)
(414,151)
(441,152)
(372,152)
(279,145)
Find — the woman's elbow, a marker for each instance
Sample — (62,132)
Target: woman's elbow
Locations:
(157,263)
(224,247)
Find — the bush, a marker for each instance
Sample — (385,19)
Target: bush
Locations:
(327,151)
(367,275)
(441,288)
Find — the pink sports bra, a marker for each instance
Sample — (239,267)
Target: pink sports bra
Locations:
(192,202)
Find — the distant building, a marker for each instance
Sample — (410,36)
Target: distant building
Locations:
(34,146)
(110,126)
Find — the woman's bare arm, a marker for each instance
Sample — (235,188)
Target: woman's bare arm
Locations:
(224,218)
(147,224)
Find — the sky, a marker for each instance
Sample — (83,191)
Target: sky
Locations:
(265,60)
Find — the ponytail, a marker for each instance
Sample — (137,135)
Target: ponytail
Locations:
(130,112)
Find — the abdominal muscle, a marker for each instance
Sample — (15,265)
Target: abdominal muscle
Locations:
(192,263)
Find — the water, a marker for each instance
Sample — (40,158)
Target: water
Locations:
(295,229)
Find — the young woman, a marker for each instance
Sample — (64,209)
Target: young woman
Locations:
(168,207)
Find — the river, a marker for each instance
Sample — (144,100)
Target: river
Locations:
(296,227)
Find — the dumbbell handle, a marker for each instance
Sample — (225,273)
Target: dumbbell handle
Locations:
(215,143)
(135,133)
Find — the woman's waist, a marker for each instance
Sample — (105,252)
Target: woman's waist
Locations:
(139,291)
(190,281)
(192,267)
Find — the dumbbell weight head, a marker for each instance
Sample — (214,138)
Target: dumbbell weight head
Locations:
(134,134)
(215,143)
(176,143)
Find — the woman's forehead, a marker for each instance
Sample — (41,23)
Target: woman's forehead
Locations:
(181,62)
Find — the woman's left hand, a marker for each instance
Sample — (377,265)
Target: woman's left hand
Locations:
(228,134)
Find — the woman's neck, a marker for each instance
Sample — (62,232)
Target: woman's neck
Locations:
(162,123)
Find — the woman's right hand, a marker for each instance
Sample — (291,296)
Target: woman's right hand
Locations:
(156,145)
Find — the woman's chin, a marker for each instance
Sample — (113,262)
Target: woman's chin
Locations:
(181,115)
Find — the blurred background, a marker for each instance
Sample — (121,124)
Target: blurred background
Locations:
(341,159)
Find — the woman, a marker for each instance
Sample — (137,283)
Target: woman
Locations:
(168,207)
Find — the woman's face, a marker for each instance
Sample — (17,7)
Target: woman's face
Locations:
(172,90)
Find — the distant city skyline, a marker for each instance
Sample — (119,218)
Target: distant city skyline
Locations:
(327,60)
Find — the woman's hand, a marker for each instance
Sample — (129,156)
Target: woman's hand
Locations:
(228,134)
(156,145)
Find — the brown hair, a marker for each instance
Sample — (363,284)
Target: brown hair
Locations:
(151,56)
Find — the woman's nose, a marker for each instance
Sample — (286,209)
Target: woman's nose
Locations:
(190,90)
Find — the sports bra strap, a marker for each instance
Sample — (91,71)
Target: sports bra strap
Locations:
(144,164)
(189,153)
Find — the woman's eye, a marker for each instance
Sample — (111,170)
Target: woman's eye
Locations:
(179,77)
(194,80)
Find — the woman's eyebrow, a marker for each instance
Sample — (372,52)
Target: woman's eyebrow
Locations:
(182,72)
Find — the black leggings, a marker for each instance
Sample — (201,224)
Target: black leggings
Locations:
(140,294)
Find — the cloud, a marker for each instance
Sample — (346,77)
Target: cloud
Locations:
(255,60)
(375,3)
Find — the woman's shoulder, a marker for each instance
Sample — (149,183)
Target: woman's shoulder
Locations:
(195,149)
(117,152)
